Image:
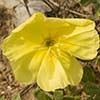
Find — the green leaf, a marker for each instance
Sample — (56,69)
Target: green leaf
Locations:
(98,1)
(90,98)
(40,95)
(97,97)
(69,98)
(71,88)
(91,88)
(85,2)
(17,97)
(72,98)
(2,98)
(98,11)
(94,1)
(58,94)
(96,14)
(88,75)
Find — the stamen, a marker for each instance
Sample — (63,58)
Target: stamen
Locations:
(49,42)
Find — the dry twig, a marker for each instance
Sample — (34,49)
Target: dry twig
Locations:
(27,88)
(27,8)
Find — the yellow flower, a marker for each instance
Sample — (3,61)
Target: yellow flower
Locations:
(44,50)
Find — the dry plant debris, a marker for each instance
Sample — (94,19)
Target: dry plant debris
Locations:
(8,84)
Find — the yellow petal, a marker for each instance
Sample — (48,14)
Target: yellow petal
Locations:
(57,27)
(58,71)
(80,22)
(21,69)
(53,26)
(15,47)
(55,23)
(26,67)
(31,30)
(36,61)
(25,38)
(83,42)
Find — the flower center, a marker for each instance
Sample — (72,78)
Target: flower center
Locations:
(49,42)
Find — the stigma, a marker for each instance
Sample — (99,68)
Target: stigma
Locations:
(49,42)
